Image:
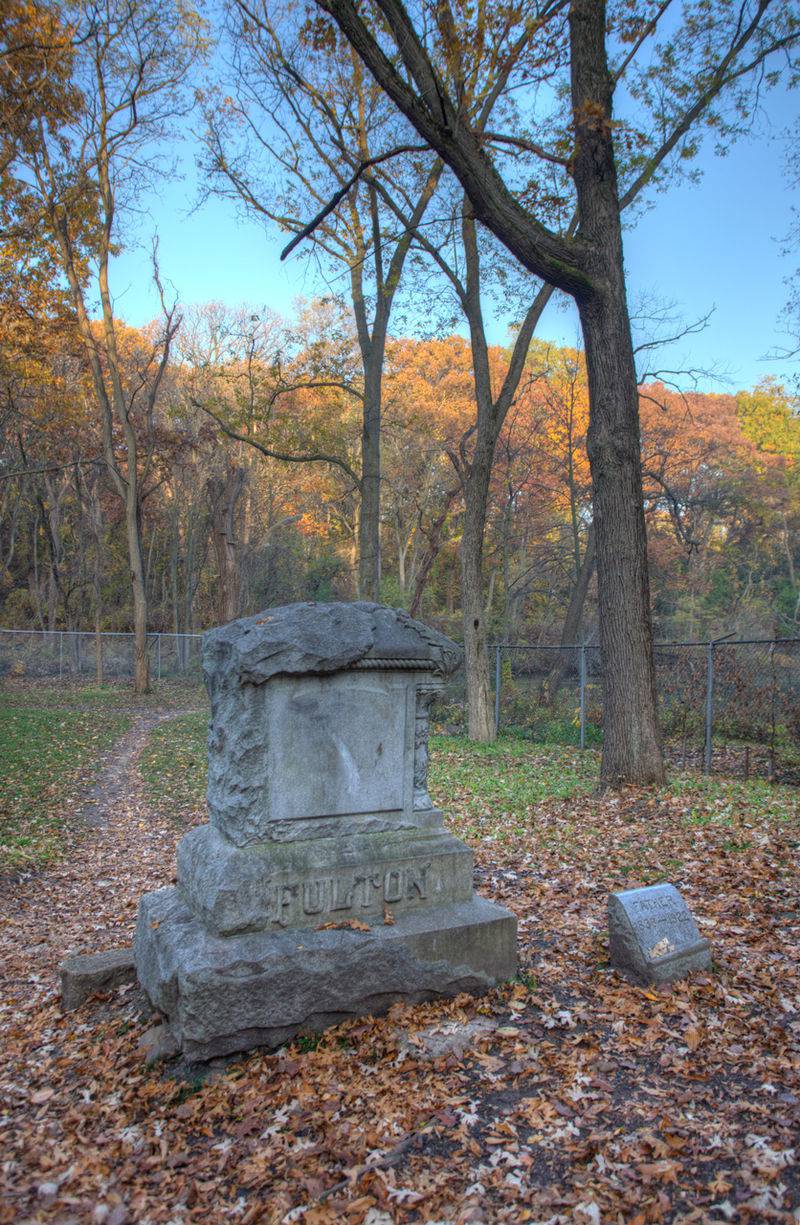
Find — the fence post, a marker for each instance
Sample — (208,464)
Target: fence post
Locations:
(583,695)
(497,684)
(709,705)
(158,654)
(60,654)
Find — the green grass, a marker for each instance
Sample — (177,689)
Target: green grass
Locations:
(503,793)
(512,771)
(720,801)
(46,756)
(174,762)
(46,695)
(492,792)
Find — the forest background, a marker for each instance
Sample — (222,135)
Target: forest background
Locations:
(230,444)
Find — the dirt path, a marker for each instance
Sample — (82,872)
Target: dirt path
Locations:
(119,775)
(116,848)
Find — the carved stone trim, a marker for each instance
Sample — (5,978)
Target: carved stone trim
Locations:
(425,696)
(413,665)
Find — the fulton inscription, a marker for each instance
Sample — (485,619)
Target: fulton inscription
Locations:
(356,893)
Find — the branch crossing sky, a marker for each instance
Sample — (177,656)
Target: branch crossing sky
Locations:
(717,244)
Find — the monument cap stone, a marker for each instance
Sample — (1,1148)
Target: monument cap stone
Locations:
(652,935)
(297,639)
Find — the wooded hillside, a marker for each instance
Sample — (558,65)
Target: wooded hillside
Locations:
(248,464)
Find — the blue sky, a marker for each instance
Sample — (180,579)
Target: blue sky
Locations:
(713,245)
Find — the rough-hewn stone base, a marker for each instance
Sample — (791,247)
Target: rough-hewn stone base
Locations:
(224,994)
(84,974)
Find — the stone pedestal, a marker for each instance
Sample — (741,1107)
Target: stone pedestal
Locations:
(325,884)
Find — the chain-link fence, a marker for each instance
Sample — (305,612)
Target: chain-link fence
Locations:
(727,706)
(77,655)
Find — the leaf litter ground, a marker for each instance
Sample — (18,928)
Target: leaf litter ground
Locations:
(565,1096)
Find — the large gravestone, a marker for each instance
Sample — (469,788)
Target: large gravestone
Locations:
(325,884)
(652,936)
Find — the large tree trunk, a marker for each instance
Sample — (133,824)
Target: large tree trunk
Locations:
(631,740)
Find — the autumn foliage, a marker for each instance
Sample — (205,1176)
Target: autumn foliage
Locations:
(229,528)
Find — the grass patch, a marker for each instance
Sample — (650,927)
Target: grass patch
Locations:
(68,695)
(724,801)
(174,763)
(46,757)
(496,786)
(535,800)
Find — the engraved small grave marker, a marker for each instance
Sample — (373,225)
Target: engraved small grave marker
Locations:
(652,936)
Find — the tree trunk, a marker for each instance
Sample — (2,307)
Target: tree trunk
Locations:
(141,661)
(225,495)
(402,550)
(432,550)
(580,589)
(480,708)
(369,519)
(574,615)
(631,740)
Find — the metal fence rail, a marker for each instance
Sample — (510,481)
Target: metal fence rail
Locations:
(102,656)
(728,705)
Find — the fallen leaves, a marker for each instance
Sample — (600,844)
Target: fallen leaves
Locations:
(573,1098)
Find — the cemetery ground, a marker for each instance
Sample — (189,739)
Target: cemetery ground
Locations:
(567,1095)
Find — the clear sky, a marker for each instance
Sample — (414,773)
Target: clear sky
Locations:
(713,245)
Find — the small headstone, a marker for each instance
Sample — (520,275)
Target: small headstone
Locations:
(652,936)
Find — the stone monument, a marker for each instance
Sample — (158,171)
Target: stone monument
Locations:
(652,936)
(325,884)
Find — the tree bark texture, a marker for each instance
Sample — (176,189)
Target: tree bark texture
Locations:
(631,739)
(225,525)
(480,707)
